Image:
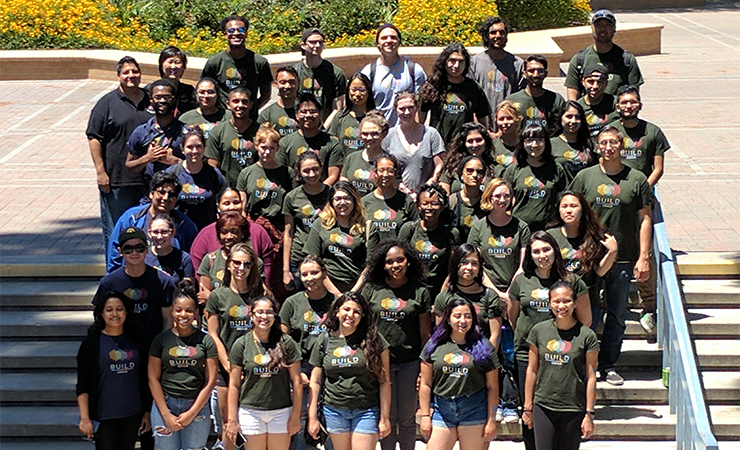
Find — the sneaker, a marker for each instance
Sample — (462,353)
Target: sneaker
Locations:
(648,322)
(218,445)
(499,414)
(510,414)
(612,377)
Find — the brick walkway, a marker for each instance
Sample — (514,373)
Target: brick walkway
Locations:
(49,203)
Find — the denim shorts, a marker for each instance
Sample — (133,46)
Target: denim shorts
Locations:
(453,412)
(194,435)
(362,421)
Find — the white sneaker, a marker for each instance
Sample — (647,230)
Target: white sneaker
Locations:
(510,414)
(499,414)
(647,321)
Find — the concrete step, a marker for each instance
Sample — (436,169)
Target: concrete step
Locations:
(39,421)
(708,265)
(714,323)
(721,387)
(34,355)
(63,444)
(47,294)
(718,354)
(639,354)
(640,388)
(45,324)
(725,421)
(32,387)
(61,266)
(711,293)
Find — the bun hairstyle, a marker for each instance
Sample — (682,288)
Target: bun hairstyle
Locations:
(187,288)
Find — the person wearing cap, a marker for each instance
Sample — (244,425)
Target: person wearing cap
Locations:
(239,66)
(534,103)
(621,65)
(163,192)
(597,105)
(318,76)
(498,72)
(392,73)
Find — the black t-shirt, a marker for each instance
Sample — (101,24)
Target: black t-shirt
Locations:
(112,121)
(120,367)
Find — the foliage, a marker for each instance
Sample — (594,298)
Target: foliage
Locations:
(440,22)
(521,15)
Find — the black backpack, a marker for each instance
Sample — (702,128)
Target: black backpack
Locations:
(580,58)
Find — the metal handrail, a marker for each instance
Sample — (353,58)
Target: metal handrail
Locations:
(684,392)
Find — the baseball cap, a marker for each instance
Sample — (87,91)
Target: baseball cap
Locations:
(309,31)
(131,233)
(595,68)
(604,14)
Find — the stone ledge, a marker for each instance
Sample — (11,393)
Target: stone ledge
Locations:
(557,45)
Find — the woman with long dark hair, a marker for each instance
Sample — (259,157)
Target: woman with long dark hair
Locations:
(459,381)
(394,287)
(559,398)
(472,140)
(536,177)
(465,203)
(357,102)
(351,364)
(265,388)
(573,148)
(108,362)
(452,97)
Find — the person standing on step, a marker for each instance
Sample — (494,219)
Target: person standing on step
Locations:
(281,114)
(320,77)
(596,103)
(536,104)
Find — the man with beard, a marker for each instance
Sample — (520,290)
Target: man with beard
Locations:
(597,105)
(318,76)
(536,104)
(157,144)
(163,192)
(621,65)
(281,114)
(230,147)
(499,72)
(239,66)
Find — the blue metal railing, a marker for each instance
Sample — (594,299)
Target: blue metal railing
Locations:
(684,392)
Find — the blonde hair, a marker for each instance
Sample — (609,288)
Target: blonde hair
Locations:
(511,110)
(266,131)
(486,199)
(357,218)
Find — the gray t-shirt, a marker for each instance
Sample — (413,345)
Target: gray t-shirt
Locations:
(418,166)
(389,81)
(497,77)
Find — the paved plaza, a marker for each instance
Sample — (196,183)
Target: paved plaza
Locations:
(49,201)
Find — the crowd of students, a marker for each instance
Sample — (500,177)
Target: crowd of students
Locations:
(325,268)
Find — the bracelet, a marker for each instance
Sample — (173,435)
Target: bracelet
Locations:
(591,413)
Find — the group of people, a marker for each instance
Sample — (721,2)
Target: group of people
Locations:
(368,249)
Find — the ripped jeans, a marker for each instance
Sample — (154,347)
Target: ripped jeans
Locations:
(194,436)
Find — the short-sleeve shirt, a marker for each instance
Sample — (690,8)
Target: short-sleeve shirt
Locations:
(433,247)
(616,199)
(462,102)
(343,253)
(250,71)
(348,383)
(234,314)
(455,374)
(305,209)
(198,195)
(465,214)
(176,264)
(418,166)
(327,82)
(487,305)
(600,115)
(497,77)
(572,158)
(502,154)
(234,150)
(283,119)
(533,293)
(120,367)
(359,172)
(561,373)
(391,81)
(206,122)
(324,145)
(305,318)
(346,127)
(397,311)
(641,145)
(543,110)
(150,132)
(500,248)
(266,189)
(536,190)
(262,388)
(387,215)
(183,362)
(213,266)
(620,74)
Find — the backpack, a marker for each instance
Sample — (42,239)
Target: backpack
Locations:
(412,71)
(580,58)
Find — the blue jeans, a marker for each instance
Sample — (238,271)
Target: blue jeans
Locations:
(361,421)
(403,406)
(468,410)
(194,436)
(616,291)
(114,204)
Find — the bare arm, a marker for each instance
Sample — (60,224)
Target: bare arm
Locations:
(438,165)
(495,325)
(425,327)
(153,153)
(334,172)
(96,152)
(425,399)
(489,431)
(265,93)
(317,377)
(384,425)
(166,318)
(223,355)
(607,261)
(572,94)
(154,372)
(214,163)
(529,384)
(187,417)
(657,170)
(86,425)
(294,423)
(287,247)
(513,311)
(204,289)
(583,309)
(642,267)
(235,384)
(587,425)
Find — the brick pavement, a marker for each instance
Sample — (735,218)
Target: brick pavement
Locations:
(49,204)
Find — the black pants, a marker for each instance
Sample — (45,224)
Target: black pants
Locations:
(117,434)
(555,430)
(527,434)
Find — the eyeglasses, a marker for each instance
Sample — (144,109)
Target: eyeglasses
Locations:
(471,171)
(138,248)
(245,264)
(315,42)
(236,30)
(372,134)
(169,192)
(263,313)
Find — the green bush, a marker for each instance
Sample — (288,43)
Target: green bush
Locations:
(522,15)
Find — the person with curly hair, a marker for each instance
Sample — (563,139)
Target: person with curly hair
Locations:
(471,140)
(351,364)
(396,293)
(452,98)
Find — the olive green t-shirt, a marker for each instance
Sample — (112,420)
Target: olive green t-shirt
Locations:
(251,71)
(503,155)
(434,248)
(262,388)
(346,127)
(343,253)
(571,158)
(616,199)
(324,145)
(487,305)
(600,115)
(535,191)
(348,383)
(641,145)
(500,248)
(326,82)
(359,172)
(543,110)
(283,119)
(305,209)
(397,311)
(620,74)
(206,122)
(386,216)
(183,362)
(213,266)
(465,215)
(532,293)
(266,189)
(305,318)
(234,314)
(561,374)
(461,103)
(455,374)
(233,150)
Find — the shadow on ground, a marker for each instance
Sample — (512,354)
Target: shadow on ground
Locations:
(65,237)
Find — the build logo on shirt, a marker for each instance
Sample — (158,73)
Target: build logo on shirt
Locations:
(608,193)
(384,220)
(454,104)
(122,361)
(393,309)
(539,300)
(343,243)
(572,258)
(310,213)
(631,149)
(183,356)
(504,160)
(344,356)
(265,189)
(427,251)
(262,361)
(241,151)
(455,360)
(536,188)
(313,324)
(239,318)
(500,246)
(192,192)
(557,352)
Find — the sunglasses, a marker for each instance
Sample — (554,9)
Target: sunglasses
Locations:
(138,248)
(239,30)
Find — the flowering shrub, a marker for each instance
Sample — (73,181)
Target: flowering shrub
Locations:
(523,15)
(440,22)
